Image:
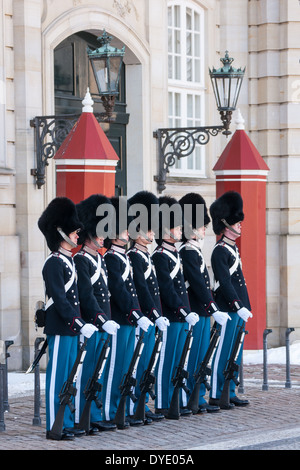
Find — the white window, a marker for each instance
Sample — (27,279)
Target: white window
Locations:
(186,78)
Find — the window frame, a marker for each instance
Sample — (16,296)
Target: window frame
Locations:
(183,87)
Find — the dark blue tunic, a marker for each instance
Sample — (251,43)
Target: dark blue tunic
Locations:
(173,293)
(92,286)
(145,281)
(125,307)
(197,280)
(63,316)
(231,294)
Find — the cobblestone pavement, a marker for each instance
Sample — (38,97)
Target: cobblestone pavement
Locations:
(270,422)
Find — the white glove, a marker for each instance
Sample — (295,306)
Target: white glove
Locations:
(192,318)
(244,313)
(221,317)
(88,330)
(162,323)
(144,323)
(111,327)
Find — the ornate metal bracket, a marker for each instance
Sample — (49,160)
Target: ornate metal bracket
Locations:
(178,143)
(50,132)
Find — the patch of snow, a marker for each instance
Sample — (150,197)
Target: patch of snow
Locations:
(274,355)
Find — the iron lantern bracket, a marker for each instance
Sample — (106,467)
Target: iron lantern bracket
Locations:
(50,132)
(177,143)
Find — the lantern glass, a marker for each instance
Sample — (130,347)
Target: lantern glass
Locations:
(115,70)
(226,82)
(100,71)
(226,90)
(106,64)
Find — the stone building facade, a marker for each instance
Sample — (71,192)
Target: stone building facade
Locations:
(158,36)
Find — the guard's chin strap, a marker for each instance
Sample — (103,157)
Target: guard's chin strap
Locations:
(123,240)
(168,232)
(198,235)
(66,238)
(229,227)
(145,236)
(95,242)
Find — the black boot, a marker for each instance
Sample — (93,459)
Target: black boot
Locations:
(104,425)
(238,401)
(216,402)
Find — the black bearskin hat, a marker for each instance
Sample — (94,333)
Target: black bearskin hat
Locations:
(229,207)
(61,212)
(192,215)
(120,221)
(87,213)
(170,215)
(150,204)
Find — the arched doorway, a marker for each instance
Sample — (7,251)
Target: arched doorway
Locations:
(72,76)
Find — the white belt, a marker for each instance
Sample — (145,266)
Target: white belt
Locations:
(233,268)
(68,284)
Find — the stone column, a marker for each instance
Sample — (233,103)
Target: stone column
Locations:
(274,97)
(29,199)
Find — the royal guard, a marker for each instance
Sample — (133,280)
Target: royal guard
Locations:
(94,298)
(60,224)
(230,290)
(174,300)
(196,219)
(145,280)
(125,310)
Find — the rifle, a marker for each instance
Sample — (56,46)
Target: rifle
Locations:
(128,382)
(38,357)
(204,369)
(231,370)
(148,379)
(179,377)
(93,389)
(67,392)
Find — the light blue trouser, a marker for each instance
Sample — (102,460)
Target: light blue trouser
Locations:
(201,336)
(62,355)
(227,338)
(122,347)
(93,350)
(149,340)
(173,342)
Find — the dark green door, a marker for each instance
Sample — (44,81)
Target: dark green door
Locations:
(72,76)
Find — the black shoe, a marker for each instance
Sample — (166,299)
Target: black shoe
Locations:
(185,411)
(200,410)
(162,411)
(76,431)
(134,422)
(238,401)
(67,436)
(104,425)
(216,402)
(206,407)
(154,416)
(123,426)
(93,431)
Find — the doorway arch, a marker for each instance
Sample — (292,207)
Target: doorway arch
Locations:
(72,77)
(83,20)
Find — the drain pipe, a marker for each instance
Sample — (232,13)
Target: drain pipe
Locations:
(288,383)
(265,385)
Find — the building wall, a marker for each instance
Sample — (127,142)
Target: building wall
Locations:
(274,128)
(10,280)
(263,35)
